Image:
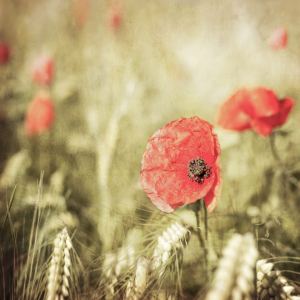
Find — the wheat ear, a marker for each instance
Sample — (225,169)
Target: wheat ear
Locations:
(271,284)
(172,241)
(114,266)
(15,167)
(234,277)
(58,283)
(136,287)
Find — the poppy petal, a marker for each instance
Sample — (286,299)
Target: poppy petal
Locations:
(146,182)
(4,53)
(285,107)
(212,197)
(40,115)
(261,127)
(264,126)
(278,39)
(81,10)
(183,189)
(257,108)
(231,115)
(261,103)
(164,174)
(43,70)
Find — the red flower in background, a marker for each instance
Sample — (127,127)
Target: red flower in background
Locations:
(4,53)
(257,108)
(181,164)
(114,15)
(278,39)
(43,69)
(81,10)
(40,114)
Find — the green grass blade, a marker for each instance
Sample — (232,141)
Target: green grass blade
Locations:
(9,206)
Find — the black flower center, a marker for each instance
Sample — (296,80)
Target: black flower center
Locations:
(198,170)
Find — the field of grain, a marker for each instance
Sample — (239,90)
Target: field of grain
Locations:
(75,221)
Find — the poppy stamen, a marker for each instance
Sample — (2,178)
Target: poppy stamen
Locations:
(198,170)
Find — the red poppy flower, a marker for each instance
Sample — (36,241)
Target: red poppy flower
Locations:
(81,9)
(278,39)
(114,16)
(4,53)
(40,114)
(181,164)
(257,108)
(43,69)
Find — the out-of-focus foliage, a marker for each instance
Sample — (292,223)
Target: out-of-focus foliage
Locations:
(112,89)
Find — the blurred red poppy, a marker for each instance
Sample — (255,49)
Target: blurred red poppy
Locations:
(181,164)
(40,115)
(43,69)
(278,39)
(81,10)
(4,53)
(114,15)
(257,108)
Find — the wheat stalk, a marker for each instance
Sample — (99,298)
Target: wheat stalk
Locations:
(169,246)
(234,277)
(58,283)
(105,152)
(118,266)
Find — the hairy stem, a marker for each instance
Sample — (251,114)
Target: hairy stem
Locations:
(284,174)
(200,238)
(291,178)
(205,222)
(274,150)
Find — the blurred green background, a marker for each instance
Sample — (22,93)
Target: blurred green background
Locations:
(114,87)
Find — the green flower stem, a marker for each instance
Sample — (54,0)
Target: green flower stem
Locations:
(208,269)
(200,238)
(292,179)
(284,176)
(273,149)
(205,222)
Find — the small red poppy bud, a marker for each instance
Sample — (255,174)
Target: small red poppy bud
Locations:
(181,165)
(278,39)
(4,53)
(81,10)
(114,16)
(40,115)
(43,69)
